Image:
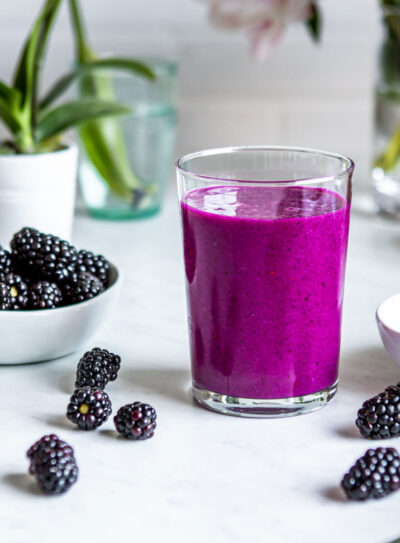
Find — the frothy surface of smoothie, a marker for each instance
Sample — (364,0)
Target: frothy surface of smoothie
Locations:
(265,272)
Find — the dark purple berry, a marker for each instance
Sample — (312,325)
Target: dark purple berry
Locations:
(85,288)
(96,368)
(5,263)
(17,289)
(43,256)
(379,417)
(89,408)
(45,295)
(5,297)
(136,421)
(96,265)
(53,463)
(374,475)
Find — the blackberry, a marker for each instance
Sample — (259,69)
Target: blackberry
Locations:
(5,263)
(53,463)
(86,287)
(97,265)
(374,475)
(136,421)
(96,368)
(89,408)
(5,297)
(44,295)
(43,256)
(379,417)
(18,291)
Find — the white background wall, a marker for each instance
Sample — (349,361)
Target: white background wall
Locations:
(307,95)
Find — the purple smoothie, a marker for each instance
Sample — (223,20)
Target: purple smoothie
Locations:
(264,275)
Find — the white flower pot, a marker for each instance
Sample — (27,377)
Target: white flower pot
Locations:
(38,191)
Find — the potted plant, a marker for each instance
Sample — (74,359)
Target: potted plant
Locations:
(37,166)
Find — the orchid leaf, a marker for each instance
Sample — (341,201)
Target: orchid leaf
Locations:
(131,65)
(26,75)
(8,117)
(74,113)
(11,96)
(313,23)
(100,153)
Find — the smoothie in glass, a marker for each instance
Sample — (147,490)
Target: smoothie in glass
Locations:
(264,274)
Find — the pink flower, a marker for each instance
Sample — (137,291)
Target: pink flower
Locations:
(265,20)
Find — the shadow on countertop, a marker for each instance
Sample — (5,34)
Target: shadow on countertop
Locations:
(22,482)
(173,383)
(334,493)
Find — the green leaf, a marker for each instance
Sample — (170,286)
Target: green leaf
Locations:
(121,63)
(25,77)
(10,95)
(84,53)
(389,159)
(314,23)
(74,113)
(102,155)
(8,118)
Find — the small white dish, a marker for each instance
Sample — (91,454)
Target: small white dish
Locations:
(388,319)
(46,334)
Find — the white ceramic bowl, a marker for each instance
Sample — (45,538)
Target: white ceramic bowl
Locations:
(45,334)
(388,319)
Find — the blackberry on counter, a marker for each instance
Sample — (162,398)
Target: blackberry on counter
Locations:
(89,408)
(136,421)
(96,368)
(374,475)
(86,287)
(5,297)
(18,291)
(379,417)
(96,265)
(43,256)
(5,263)
(53,463)
(45,295)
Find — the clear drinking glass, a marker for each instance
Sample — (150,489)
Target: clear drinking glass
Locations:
(142,146)
(265,233)
(386,151)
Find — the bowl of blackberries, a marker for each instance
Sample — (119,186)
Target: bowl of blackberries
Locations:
(53,297)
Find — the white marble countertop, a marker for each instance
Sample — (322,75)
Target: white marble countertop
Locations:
(203,476)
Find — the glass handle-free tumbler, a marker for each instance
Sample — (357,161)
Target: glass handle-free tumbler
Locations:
(265,235)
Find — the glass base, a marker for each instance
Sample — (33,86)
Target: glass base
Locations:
(122,214)
(258,408)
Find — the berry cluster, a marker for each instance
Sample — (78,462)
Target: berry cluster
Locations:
(52,460)
(43,272)
(377,473)
(90,405)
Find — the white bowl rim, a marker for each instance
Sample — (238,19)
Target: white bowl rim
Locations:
(86,303)
(381,307)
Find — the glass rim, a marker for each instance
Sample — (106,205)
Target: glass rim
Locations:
(346,161)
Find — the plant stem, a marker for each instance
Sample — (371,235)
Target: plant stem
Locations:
(78,27)
(390,157)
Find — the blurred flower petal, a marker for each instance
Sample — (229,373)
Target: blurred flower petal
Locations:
(263,38)
(265,20)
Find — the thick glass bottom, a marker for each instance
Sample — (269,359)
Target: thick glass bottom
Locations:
(259,408)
